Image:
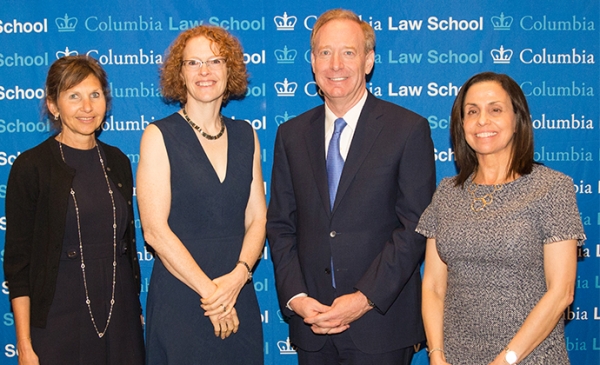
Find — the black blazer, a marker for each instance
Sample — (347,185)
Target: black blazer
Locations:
(37,197)
(387,182)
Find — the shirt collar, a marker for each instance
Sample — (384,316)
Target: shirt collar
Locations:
(351,116)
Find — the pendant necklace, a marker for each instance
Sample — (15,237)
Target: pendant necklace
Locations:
(205,135)
(114,264)
(479,203)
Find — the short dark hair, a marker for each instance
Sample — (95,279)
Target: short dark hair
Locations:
(67,72)
(172,85)
(521,160)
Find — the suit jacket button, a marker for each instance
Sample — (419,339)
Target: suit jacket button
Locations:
(72,254)
(327,270)
(332,234)
(120,185)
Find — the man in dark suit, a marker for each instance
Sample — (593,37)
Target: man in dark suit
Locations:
(350,181)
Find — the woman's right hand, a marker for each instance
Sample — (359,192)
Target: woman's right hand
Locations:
(26,354)
(437,359)
(225,296)
(21,308)
(226,326)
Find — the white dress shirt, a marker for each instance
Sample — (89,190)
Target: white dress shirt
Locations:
(351,118)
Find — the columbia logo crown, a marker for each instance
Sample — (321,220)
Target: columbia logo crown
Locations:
(501,55)
(66,24)
(66,52)
(280,119)
(502,22)
(285,88)
(285,347)
(285,22)
(285,56)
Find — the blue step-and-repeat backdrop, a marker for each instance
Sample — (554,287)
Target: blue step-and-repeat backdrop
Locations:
(425,51)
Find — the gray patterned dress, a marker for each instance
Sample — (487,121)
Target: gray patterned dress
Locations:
(495,261)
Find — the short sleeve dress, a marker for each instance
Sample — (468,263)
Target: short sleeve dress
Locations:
(495,261)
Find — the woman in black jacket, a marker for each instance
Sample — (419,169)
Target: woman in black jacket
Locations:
(70,255)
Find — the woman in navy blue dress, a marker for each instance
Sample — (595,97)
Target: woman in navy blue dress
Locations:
(202,206)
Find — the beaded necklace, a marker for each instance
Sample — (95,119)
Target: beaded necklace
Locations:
(114,264)
(204,134)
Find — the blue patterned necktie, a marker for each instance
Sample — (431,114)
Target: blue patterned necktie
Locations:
(335,162)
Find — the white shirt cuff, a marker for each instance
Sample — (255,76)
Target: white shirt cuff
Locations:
(287,305)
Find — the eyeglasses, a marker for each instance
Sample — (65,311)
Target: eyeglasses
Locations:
(212,64)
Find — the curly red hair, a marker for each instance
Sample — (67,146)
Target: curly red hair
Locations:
(172,85)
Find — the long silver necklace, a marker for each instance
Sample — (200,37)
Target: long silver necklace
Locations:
(204,134)
(114,264)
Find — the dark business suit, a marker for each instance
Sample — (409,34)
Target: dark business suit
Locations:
(387,181)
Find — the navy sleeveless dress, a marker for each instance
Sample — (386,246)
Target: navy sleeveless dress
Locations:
(208,217)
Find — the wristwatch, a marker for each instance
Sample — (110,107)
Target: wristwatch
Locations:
(370,303)
(510,356)
(248,268)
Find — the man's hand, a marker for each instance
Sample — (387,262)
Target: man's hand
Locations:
(308,307)
(344,310)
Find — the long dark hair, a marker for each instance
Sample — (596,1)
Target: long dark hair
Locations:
(521,160)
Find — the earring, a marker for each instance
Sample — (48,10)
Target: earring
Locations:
(320,92)
(56,116)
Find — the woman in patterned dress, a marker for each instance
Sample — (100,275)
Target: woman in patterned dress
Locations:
(501,254)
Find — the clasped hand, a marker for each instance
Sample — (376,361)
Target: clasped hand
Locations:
(332,319)
(220,305)
(224,326)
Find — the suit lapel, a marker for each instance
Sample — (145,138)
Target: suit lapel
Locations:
(315,146)
(367,129)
